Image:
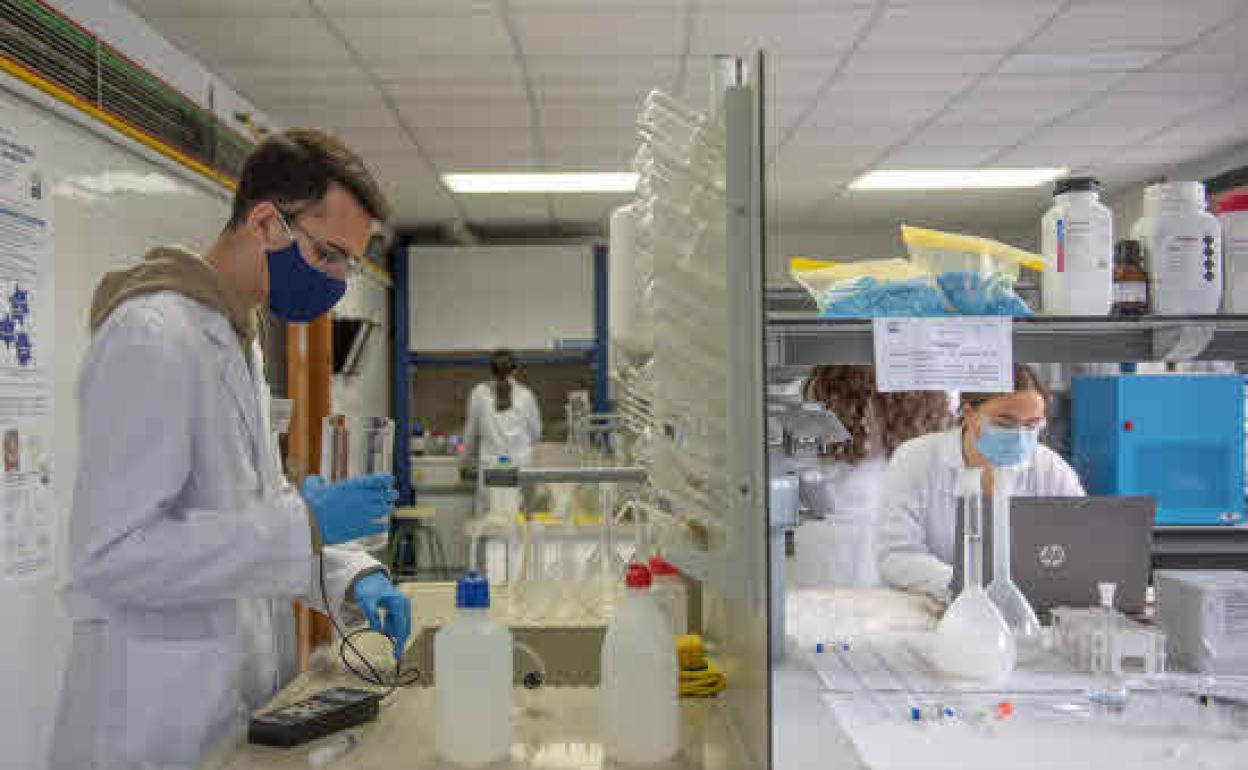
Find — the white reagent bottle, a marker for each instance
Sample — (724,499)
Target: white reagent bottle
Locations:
(639,679)
(473,670)
(1077,238)
(1182,249)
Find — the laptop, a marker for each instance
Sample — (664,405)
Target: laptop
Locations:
(1063,546)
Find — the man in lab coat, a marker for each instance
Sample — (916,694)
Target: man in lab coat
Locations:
(187,547)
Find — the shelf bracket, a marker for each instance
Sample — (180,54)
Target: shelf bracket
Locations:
(1184,342)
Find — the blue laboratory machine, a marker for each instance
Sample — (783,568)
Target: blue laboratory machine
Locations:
(1178,438)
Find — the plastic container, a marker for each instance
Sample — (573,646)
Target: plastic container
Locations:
(639,678)
(473,671)
(1108,686)
(1077,240)
(670,594)
(1232,210)
(1182,245)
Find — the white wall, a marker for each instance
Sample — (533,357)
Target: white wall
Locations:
(92,232)
(367,392)
(522,297)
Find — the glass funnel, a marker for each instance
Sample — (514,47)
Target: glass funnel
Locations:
(973,640)
(1014,607)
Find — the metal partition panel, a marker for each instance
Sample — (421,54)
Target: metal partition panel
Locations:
(741,588)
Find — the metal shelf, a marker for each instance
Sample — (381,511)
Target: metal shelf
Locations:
(799,339)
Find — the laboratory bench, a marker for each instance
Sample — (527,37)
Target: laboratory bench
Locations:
(555,727)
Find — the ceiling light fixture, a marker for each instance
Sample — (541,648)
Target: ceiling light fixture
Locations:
(554,182)
(956,179)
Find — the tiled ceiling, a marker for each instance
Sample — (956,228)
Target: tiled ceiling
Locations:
(1119,88)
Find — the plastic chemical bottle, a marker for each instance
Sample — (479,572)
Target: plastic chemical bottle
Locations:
(1131,295)
(473,669)
(670,594)
(1014,607)
(639,678)
(1182,249)
(1077,239)
(1232,210)
(1109,688)
(973,641)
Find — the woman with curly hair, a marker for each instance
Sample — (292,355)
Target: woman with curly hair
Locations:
(918,513)
(838,551)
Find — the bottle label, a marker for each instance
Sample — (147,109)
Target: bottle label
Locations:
(1083,246)
(1130,293)
(1190,254)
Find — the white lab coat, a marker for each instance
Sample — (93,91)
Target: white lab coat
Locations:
(918,516)
(839,550)
(187,547)
(490,434)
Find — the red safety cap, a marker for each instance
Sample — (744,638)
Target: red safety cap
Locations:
(1232,200)
(637,577)
(660,567)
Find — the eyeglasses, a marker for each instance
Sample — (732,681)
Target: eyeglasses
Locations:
(327,253)
(1007,422)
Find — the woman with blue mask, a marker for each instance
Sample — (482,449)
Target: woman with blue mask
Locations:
(918,516)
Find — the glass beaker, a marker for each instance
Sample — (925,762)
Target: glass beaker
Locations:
(1014,607)
(973,641)
(356,446)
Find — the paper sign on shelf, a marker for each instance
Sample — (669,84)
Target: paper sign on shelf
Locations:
(969,353)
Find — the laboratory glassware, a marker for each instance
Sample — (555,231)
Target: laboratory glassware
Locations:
(973,641)
(1014,607)
(1109,688)
(356,446)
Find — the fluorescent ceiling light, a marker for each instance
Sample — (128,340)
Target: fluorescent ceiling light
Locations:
(570,182)
(956,179)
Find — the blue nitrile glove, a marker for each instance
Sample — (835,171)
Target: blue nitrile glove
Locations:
(374,592)
(351,509)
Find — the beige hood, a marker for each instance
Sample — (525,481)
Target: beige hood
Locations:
(173,268)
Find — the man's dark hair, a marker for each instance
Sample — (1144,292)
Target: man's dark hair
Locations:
(297,167)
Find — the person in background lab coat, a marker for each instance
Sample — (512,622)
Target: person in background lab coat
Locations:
(918,515)
(838,551)
(503,421)
(187,547)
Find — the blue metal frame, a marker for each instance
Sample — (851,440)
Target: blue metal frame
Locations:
(601,394)
(402,429)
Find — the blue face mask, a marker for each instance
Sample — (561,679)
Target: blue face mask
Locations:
(1006,447)
(298,292)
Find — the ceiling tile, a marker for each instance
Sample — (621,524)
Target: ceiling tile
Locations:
(377,142)
(1044,86)
(361,114)
(597,5)
(836,157)
(439,68)
(387,39)
(468,140)
(602,76)
(946,133)
(506,208)
(1013,107)
(223,41)
(605,33)
(849,134)
(224,8)
(392,8)
(938,83)
(903,63)
(794,32)
(595,208)
(865,109)
(1160,153)
(565,112)
(1066,135)
(508,86)
(462,112)
(1207,81)
(290,75)
(925,155)
(1129,25)
(1039,153)
(589,157)
(957,27)
(503,158)
(1145,110)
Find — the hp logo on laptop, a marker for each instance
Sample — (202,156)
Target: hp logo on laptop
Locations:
(1053,555)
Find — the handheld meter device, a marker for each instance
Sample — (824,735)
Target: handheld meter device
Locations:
(326,712)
